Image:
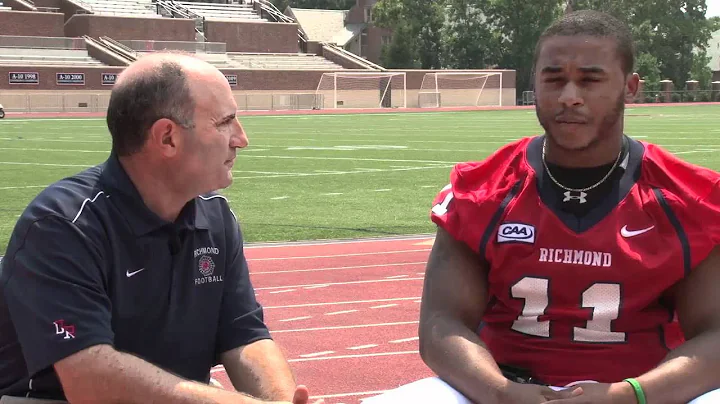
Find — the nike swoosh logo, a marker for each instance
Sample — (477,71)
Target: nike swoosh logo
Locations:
(632,233)
(129,274)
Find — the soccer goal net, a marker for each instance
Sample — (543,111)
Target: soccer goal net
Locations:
(361,90)
(460,89)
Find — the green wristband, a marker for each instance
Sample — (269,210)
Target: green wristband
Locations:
(639,393)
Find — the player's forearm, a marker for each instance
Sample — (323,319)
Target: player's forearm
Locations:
(109,376)
(458,356)
(687,372)
(260,369)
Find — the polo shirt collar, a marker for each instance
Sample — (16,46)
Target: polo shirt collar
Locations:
(142,220)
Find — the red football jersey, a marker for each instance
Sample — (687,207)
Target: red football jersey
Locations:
(582,299)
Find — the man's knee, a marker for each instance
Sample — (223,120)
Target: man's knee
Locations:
(425,391)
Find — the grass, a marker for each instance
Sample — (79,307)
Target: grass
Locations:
(339,176)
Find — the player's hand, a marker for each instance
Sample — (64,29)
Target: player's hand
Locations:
(302,396)
(532,394)
(599,393)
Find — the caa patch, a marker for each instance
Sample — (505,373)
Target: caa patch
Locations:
(516,233)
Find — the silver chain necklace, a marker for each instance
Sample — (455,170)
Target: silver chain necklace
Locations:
(581,190)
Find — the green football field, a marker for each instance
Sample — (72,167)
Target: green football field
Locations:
(331,176)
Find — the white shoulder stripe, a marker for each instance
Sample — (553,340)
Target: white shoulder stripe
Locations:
(85,202)
(219,196)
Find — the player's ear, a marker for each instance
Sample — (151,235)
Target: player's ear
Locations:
(632,85)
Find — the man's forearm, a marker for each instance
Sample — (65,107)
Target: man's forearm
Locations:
(260,369)
(687,372)
(458,356)
(110,376)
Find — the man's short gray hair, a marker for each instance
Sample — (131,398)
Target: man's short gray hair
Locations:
(139,101)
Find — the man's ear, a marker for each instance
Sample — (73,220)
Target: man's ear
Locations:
(632,87)
(164,137)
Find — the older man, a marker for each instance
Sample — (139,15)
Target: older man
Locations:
(127,282)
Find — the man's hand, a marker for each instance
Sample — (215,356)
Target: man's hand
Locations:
(532,394)
(302,396)
(599,393)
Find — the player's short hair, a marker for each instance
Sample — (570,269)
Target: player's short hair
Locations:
(138,102)
(596,24)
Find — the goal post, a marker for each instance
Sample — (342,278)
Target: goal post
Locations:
(361,90)
(460,89)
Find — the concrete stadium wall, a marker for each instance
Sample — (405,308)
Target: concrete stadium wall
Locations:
(255,90)
(122,28)
(30,23)
(251,36)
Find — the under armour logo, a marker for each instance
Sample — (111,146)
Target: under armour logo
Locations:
(570,197)
(64,329)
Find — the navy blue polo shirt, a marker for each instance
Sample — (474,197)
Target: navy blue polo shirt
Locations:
(88,263)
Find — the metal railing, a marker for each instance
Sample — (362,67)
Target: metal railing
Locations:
(64,102)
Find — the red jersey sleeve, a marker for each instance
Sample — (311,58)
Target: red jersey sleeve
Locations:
(466,206)
(693,195)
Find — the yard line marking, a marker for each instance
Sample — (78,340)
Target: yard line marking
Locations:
(338,255)
(289,271)
(314,174)
(400,341)
(382,306)
(345,327)
(396,276)
(40,139)
(277,198)
(53,150)
(363,346)
(24,187)
(333,193)
(44,164)
(334,242)
(296,318)
(294,306)
(340,283)
(341,312)
(312,355)
(382,190)
(316,287)
(354,159)
(355,356)
(282,291)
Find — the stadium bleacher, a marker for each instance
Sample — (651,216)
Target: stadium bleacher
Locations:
(139,8)
(215,54)
(39,51)
(220,11)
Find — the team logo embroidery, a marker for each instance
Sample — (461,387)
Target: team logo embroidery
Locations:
(570,197)
(67,330)
(206,265)
(516,233)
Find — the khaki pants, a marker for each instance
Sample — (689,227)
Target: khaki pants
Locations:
(24,400)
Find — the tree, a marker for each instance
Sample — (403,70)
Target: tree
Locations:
(467,38)
(416,24)
(517,25)
(669,30)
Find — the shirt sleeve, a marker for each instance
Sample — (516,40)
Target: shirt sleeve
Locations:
(241,316)
(466,206)
(55,293)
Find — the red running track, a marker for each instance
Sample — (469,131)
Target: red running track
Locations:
(344,313)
